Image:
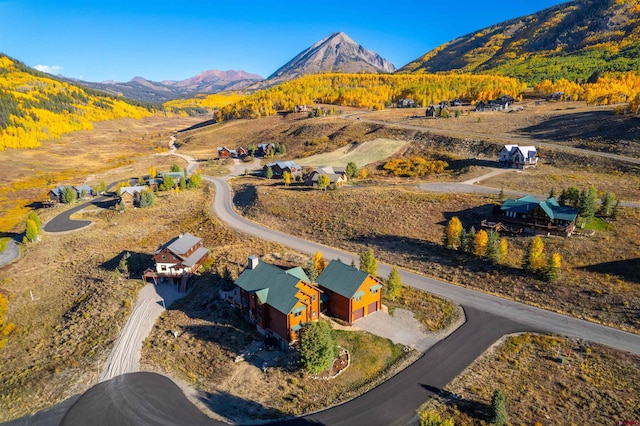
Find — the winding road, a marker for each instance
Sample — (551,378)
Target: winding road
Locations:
(146,398)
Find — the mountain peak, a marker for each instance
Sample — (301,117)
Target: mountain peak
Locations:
(335,53)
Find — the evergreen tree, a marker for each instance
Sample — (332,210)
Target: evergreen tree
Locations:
(552,193)
(573,196)
(453,233)
(587,203)
(470,243)
(492,252)
(499,408)
(147,199)
(351,170)
(269,173)
(606,203)
(368,262)
(552,271)
(501,194)
(394,283)
(175,168)
(615,210)
(318,346)
(183,183)
(311,271)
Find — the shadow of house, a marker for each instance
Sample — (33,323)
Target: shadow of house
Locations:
(628,270)
(136,262)
(479,411)
(245,197)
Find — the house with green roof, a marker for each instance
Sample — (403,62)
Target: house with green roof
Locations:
(349,293)
(279,302)
(531,215)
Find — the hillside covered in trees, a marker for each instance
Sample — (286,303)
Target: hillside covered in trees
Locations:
(573,40)
(35,106)
(369,91)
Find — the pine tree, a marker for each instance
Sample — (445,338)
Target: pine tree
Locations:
(606,203)
(493,253)
(351,170)
(470,243)
(499,408)
(368,262)
(615,210)
(394,283)
(167,184)
(587,203)
(147,199)
(318,346)
(269,173)
(552,271)
(311,271)
(453,233)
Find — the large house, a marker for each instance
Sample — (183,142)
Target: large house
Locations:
(528,214)
(82,191)
(279,167)
(519,157)
(337,176)
(177,260)
(279,302)
(129,196)
(265,149)
(349,293)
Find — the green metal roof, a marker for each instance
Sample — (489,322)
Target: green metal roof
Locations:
(298,272)
(271,285)
(342,279)
(550,206)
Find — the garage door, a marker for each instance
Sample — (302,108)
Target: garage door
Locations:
(372,308)
(358,314)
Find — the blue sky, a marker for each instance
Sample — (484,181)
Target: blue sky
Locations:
(99,40)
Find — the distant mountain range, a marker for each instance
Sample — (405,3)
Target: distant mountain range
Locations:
(335,53)
(140,88)
(573,40)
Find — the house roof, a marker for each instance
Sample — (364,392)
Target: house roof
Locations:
(284,165)
(58,190)
(272,285)
(550,206)
(180,244)
(85,188)
(527,151)
(333,177)
(195,257)
(174,175)
(342,279)
(132,189)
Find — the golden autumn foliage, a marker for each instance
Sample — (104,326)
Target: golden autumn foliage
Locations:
(374,91)
(453,232)
(481,242)
(216,100)
(36,107)
(416,166)
(318,262)
(5,329)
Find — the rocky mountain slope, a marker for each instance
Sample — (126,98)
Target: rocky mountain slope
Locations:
(573,40)
(335,53)
(212,81)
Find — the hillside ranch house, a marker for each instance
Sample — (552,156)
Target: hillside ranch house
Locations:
(129,196)
(518,157)
(177,260)
(279,167)
(279,302)
(528,214)
(349,294)
(82,192)
(337,176)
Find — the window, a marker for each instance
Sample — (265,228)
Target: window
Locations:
(164,267)
(314,297)
(297,314)
(163,255)
(314,314)
(357,298)
(374,290)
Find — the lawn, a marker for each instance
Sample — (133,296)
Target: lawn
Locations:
(546,380)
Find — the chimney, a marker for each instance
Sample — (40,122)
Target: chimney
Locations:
(253,262)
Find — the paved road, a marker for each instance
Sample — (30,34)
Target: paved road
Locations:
(10,253)
(63,221)
(530,316)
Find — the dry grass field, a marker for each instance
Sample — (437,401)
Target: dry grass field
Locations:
(546,380)
(404,226)
(84,157)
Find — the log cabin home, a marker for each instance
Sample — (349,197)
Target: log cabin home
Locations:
(279,167)
(177,260)
(530,215)
(279,302)
(349,294)
(265,149)
(224,153)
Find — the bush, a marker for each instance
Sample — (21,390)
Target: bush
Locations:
(416,166)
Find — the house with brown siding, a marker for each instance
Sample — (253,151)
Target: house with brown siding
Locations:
(130,195)
(177,260)
(279,302)
(350,294)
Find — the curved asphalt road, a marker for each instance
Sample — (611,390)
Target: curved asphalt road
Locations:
(10,253)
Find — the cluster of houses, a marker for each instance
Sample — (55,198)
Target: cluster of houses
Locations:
(262,150)
(129,196)
(500,104)
(278,301)
(55,194)
(337,175)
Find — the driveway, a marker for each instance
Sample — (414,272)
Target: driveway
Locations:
(10,253)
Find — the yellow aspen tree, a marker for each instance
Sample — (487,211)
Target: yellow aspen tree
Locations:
(152,172)
(318,262)
(453,233)
(534,255)
(503,250)
(482,239)
(286,176)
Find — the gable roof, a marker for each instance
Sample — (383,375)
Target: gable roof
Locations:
(180,245)
(272,285)
(85,188)
(132,189)
(342,279)
(284,165)
(174,175)
(58,190)
(527,151)
(550,206)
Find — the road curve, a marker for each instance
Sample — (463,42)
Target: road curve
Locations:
(10,253)
(536,318)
